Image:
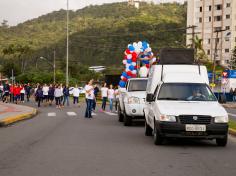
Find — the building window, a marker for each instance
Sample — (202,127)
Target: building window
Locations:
(218,7)
(209,41)
(227,61)
(209,8)
(227,16)
(200,9)
(208,52)
(227,4)
(217,18)
(227,27)
(227,50)
(209,19)
(200,20)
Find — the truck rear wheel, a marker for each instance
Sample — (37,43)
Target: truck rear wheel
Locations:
(158,140)
(120,115)
(222,141)
(127,120)
(148,129)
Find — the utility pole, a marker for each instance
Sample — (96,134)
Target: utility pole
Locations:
(54,67)
(215,54)
(193,27)
(67,44)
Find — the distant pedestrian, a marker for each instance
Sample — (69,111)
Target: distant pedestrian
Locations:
(22,94)
(89,95)
(1,91)
(58,94)
(234,95)
(28,91)
(51,94)
(76,93)
(6,92)
(39,95)
(111,96)
(104,91)
(45,93)
(116,97)
(16,93)
(96,90)
(66,94)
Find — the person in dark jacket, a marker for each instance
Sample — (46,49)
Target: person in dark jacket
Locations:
(51,94)
(96,90)
(28,91)
(234,95)
(39,95)
(66,95)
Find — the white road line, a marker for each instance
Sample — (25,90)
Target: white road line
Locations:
(110,113)
(51,114)
(233,115)
(71,114)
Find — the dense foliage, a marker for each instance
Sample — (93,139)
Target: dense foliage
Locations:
(98,36)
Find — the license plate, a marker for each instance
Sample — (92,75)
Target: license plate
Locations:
(195,127)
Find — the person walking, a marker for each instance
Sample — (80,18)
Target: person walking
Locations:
(39,95)
(1,91)
(51,94)
(89,95)
(22,94)
(111,96)
(58,94)
(116,97)
(6,91)
(234,95)
(104,91)
(28,91)
(66,94)
(76,93)
(96,90)
(45,94)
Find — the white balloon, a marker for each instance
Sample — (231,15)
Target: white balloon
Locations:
(129,56)
(135,44)
(140,44)
(124,62)
(126,69)
(143,72)
(134,72)
(134,63)
(121,77)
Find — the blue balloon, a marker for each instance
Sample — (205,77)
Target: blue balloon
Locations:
(145,62)
(124,74)
(129,61)
(131,67)
(128,77)
(131,48)
(145,45)
(122,84)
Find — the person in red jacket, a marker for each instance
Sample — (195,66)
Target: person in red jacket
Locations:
(17,90)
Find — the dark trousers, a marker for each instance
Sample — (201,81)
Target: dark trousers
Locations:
(104,102)
(75,100)
(40,99)
(58,101)
(22,97)
(66,100)
(28,96)
(88,113)
(94,104)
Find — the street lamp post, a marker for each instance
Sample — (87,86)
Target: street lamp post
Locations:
(53,65)
(67,44)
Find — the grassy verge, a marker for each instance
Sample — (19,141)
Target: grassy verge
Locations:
(232,124)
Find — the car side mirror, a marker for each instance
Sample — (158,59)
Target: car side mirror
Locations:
(150,97)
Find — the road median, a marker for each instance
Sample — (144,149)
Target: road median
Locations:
(11,113)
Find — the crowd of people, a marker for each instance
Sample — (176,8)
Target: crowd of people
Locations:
(48,94)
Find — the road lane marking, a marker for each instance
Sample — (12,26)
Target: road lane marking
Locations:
(110,113)
(51,114)
(71,114)
(233,115)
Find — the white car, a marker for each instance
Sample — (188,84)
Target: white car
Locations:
(132,100)
(180,104)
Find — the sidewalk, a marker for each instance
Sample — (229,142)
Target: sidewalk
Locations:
(230,105)
(11,113)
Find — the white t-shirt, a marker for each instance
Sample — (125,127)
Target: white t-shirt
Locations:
(104,91)
(90,94)
(76,92)
(22,91)
(45,90)
(111,93)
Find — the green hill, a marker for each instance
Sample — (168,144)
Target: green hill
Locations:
(98,35)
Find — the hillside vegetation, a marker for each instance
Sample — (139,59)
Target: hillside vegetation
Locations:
(98,36)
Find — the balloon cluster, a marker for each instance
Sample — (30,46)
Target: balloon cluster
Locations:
(135,51)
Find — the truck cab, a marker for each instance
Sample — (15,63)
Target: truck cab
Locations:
(132,100)
(180,104)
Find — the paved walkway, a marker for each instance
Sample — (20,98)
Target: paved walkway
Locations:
(10,113)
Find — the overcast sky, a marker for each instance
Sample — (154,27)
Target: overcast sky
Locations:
(17,11)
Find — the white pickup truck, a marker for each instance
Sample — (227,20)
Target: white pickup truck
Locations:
(132,100)
(180,104)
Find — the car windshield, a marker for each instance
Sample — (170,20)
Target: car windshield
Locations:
(137,85)
(186,92)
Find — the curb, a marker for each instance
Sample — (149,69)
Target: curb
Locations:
(17,118)
(232,132)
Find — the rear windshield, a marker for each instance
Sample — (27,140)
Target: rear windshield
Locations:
(186,92)
(137,85)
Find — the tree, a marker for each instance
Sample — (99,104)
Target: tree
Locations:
(200,54)
(233,59)
(4,24)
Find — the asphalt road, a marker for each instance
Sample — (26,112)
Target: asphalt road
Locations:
(58,143)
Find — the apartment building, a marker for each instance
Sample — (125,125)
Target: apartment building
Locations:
(209,16)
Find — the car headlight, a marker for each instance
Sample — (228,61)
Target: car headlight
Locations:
(221,119)
(168,118)
(133,100)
